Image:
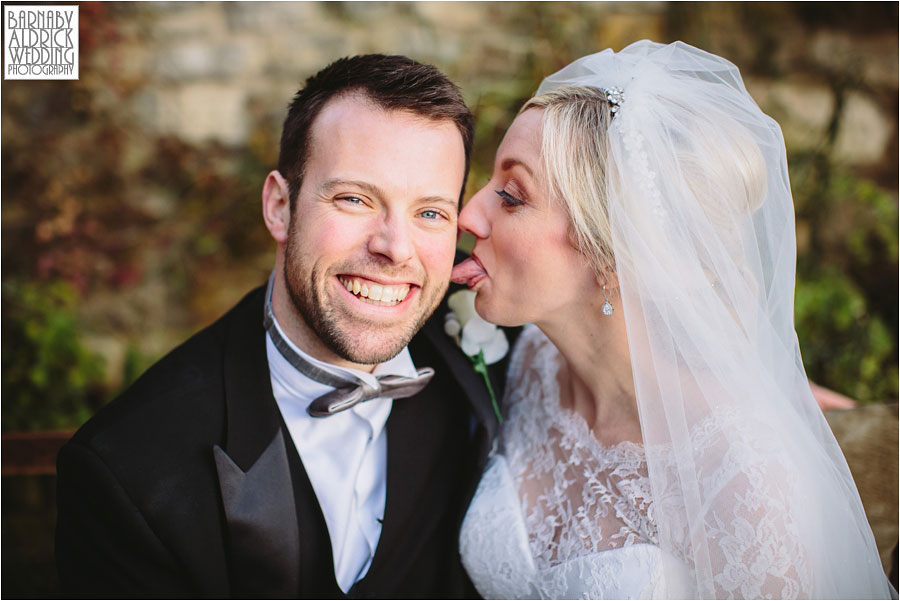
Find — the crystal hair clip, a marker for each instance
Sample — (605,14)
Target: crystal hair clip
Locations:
(615,97)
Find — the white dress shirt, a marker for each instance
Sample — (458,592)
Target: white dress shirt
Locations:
(344,455)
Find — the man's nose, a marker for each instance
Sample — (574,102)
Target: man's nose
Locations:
(392,240)
(474,219)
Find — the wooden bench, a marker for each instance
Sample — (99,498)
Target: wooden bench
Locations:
(32,453)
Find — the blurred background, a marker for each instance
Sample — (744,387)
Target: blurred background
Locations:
(131,197)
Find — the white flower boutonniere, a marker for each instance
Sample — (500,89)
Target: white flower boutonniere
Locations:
(483,342)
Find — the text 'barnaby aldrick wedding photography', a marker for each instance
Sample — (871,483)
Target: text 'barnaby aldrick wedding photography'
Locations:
(40,42)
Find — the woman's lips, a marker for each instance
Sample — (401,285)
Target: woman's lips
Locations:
(469,272)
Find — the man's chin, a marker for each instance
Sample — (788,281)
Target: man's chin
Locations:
(367,343)
(362,336)
(368,352)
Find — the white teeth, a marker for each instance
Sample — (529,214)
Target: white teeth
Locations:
(382,296)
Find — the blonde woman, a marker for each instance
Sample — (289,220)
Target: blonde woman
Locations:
(660,439)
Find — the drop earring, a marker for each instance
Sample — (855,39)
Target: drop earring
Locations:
(606,308)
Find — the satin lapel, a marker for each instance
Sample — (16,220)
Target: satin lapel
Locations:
(264,560)
(254,473)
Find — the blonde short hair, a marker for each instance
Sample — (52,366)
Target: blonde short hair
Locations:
(573,152)
(723,167)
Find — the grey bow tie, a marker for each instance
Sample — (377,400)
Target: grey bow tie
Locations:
(349,391)
(395,387)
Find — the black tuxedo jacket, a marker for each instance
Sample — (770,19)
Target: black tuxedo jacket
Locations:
(189,485)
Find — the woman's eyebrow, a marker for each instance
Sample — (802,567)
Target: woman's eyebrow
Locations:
(511,162)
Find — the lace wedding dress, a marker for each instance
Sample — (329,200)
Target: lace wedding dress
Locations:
(557,515)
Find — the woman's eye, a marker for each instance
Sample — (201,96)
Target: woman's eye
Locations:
(508,200)
(352,200)
(431,215)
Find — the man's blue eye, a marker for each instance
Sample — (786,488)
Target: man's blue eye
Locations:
(353,199)
(431,214)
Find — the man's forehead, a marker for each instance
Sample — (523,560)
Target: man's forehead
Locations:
(395,151)
(350,109)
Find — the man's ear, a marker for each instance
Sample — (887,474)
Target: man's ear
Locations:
(276,205)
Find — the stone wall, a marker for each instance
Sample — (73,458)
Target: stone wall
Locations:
(202,70)
(186,99)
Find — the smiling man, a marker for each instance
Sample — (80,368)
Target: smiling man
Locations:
(323,437)
(366,247)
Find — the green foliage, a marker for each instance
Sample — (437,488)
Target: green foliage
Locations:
(50,380)
(134,365)
(845,346)
(873,237)
(846,298)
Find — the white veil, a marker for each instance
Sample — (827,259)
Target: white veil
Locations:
(751,490)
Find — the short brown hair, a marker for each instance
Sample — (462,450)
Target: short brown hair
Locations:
(391,82)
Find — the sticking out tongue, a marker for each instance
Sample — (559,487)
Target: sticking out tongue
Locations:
(468,272)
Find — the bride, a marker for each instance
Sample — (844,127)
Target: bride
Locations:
(660,438)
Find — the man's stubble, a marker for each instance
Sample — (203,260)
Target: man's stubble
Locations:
(338,332)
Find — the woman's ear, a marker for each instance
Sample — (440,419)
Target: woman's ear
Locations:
(609,279)
(276,205)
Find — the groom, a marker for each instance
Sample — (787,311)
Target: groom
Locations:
(323,437)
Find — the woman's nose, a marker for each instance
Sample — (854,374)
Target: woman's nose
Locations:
(474,217)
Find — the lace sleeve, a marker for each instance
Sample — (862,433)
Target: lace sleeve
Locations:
(749,540)
(755,545)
